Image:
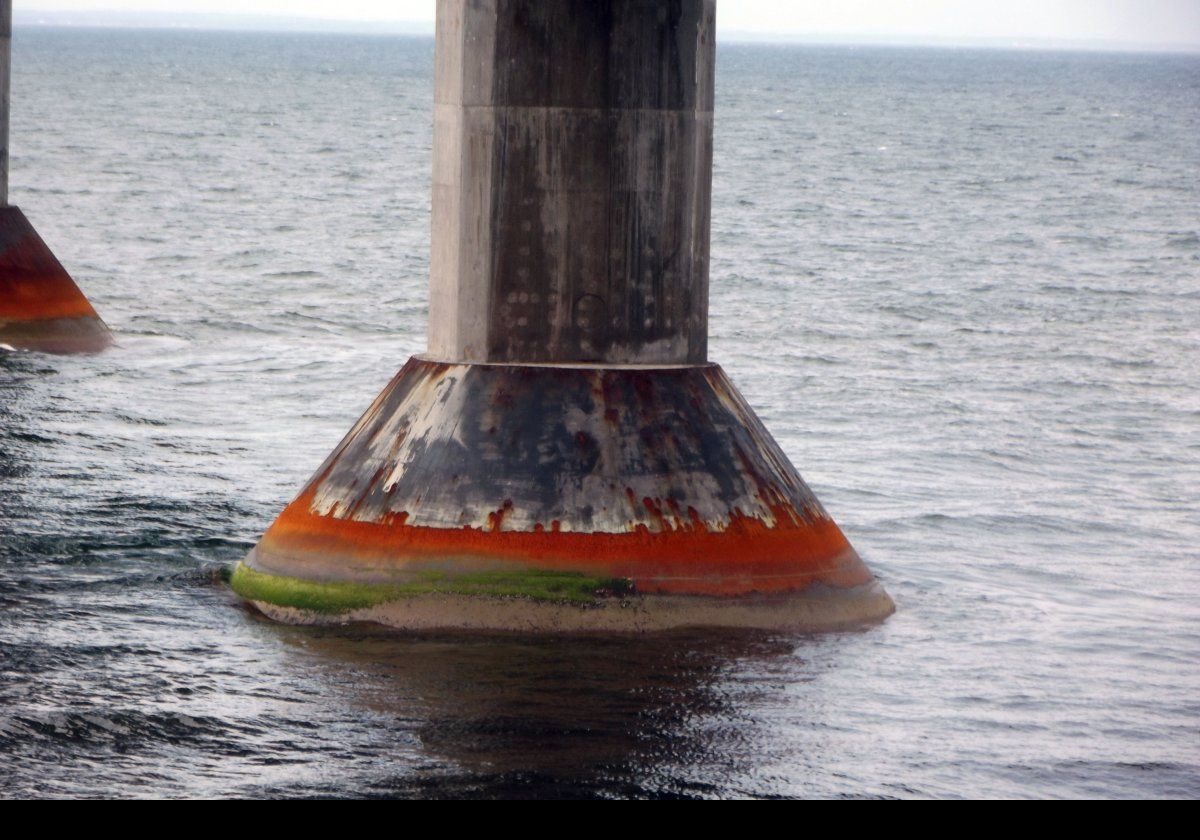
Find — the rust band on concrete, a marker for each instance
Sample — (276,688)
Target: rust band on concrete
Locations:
(41,308)
(659,476)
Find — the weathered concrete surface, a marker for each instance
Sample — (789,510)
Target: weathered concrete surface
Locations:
(572,178)
(5,85)
(41,308)
(818,610)
(662,476)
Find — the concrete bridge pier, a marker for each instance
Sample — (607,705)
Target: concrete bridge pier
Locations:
(41,308)
(565,457)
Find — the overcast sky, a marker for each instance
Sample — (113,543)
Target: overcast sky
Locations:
(1142,22)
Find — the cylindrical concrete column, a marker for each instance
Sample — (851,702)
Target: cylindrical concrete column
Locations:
(571,185)
(5,73)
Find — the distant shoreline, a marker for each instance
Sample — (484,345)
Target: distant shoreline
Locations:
(424,29)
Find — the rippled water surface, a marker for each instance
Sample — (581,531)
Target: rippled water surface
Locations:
(962,288)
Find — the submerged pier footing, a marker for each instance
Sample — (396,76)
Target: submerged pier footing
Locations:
(41,308)
(565,458)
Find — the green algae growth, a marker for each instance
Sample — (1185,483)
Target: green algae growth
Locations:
(340,597)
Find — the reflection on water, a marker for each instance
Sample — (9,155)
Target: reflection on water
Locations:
(513,716)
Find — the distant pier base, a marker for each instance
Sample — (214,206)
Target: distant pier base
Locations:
(565,458)
(41,308)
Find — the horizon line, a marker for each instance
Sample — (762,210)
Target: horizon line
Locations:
(300,24)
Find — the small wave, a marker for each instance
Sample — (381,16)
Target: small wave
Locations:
(293,274)
(112,728)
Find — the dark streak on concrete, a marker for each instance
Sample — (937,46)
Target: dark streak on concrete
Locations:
(577,201)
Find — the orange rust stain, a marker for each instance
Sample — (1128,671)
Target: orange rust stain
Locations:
(675,513)
(747,556)
(655,511)
(395,520)
(496,519)
(33,284)
(26,297)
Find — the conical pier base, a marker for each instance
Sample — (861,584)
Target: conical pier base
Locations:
(41,308)
(559,497)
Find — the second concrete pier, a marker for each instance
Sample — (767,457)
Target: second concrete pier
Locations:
(41,308)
